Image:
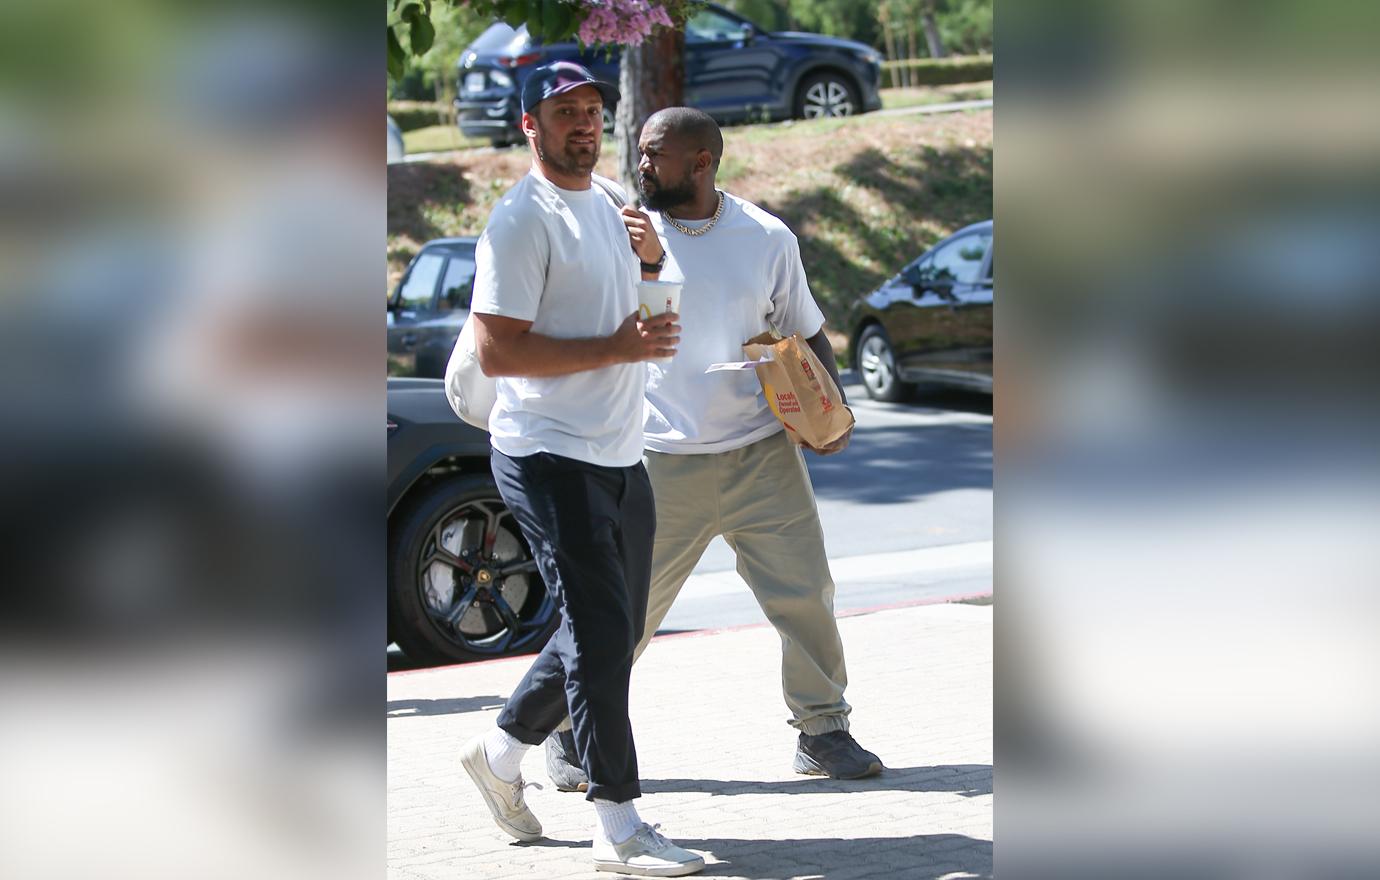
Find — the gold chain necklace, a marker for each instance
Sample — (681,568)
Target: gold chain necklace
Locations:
(699,230)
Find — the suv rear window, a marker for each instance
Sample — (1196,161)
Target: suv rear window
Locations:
(498,37)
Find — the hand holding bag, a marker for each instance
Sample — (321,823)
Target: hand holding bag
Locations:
(801,393)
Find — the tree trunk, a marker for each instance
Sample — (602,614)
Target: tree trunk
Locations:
(913,74)
(889,39)
(932,31)
(652,78)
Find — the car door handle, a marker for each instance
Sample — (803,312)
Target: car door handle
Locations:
(409,339)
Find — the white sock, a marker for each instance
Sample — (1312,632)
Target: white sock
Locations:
(504,753)
(617,822)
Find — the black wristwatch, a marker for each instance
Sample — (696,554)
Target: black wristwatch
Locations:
(657,266)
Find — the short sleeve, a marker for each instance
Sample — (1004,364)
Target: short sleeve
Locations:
(793,307)
(510,265)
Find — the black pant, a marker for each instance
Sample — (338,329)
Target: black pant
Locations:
(590,529)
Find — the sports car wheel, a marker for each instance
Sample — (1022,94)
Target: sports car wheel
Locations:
(462,584)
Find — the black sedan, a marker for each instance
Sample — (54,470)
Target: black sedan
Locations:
(429,306)
(931,323)
(462,584)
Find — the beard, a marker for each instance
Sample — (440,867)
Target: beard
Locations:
(662,197)
(567,160)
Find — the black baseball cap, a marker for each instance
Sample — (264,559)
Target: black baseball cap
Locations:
(559,77)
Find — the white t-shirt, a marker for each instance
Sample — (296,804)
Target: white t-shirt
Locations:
(561,259)
(741,278)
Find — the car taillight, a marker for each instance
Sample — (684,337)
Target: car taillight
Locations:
(520,60)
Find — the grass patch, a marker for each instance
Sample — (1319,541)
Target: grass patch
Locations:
(893,99)
(437,139)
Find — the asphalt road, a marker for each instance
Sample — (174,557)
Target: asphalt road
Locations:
(906,510)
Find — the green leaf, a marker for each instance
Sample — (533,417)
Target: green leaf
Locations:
(514,12)
(534,20)
(557,20)
(397,59)
(409,10)
(422,34)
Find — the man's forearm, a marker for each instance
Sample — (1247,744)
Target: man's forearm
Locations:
(819,344)
(535,355)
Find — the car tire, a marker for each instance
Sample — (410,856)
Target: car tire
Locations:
(609,118)
(876,363)
(439,611)
(826,95)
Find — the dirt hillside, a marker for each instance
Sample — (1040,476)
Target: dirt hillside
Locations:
(864,195)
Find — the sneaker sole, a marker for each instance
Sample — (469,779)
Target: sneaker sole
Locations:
(583,786)
(637,870)
(508,828)
(807,766)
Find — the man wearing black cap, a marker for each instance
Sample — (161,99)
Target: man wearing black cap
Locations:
(555,312)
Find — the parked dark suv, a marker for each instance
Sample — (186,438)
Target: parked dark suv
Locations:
(429,306)
(734,70)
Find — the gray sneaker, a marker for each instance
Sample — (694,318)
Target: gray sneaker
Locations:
(835,754)
(505,799)
(562,764)
(646,854)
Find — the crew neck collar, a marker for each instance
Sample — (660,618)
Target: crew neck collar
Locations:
(576,193)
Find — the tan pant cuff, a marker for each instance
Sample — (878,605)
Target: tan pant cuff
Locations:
(822,724)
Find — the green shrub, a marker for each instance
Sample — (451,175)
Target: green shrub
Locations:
(938,71)
(412,115)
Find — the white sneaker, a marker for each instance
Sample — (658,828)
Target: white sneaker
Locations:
(647,854)
(505,799)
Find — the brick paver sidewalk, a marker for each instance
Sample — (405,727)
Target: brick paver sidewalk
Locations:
(715,756)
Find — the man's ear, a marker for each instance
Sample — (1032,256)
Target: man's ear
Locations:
(704,160)
(529,125)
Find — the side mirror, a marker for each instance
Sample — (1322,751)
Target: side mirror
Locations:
(749,34)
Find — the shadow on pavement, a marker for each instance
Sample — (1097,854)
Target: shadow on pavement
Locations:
(968,780)
(922,857)
(895,465)
(928,398)
(419,708)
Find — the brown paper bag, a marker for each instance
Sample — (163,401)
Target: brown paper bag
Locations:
(800,392)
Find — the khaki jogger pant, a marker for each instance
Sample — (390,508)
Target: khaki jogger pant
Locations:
(760,499)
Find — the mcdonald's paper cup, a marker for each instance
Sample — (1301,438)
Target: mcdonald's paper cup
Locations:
(655,298)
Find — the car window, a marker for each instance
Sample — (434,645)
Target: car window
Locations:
(958,261)
(707,26)
(459,283)
(498,37)
(417,290)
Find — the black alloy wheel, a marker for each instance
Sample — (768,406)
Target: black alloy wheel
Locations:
(826,95)
(876,364)
(462,584)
